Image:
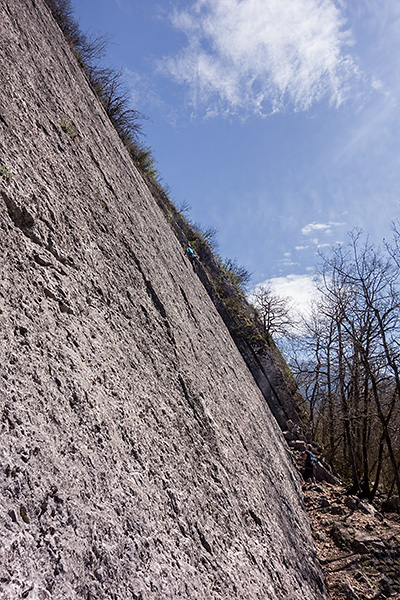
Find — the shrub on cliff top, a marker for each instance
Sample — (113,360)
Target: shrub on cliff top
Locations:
(107,83)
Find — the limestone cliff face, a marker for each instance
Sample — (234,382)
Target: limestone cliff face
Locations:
(138,457)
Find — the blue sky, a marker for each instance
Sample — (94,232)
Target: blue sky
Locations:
(276,121)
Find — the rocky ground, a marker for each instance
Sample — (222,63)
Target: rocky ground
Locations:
(357,544)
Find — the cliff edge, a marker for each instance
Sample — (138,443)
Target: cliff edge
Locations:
(138,457)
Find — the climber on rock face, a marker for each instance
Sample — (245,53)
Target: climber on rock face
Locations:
(309,466)
(190,253)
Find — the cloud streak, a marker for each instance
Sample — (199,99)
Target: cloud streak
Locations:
(325,227)
(262,55)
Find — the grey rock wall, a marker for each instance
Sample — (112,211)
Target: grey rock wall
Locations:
(137,457)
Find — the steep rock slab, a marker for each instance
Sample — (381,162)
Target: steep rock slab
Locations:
(138,458)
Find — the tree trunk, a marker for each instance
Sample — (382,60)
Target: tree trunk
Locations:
(345,410)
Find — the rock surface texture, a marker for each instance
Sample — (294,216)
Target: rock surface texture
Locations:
(138,457)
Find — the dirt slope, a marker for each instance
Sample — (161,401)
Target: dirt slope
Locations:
(138,458)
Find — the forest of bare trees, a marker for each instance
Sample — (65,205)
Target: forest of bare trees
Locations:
(348,364)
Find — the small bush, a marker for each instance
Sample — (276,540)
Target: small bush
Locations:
(146,162)
(62,11)
(69,128)
(239,276)
(5,173)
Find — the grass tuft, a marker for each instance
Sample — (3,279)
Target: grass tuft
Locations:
(5,173)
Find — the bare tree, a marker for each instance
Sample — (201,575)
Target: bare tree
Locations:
(353,365)
(275,312)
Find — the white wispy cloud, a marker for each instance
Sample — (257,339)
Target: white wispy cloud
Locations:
(325,227)
(311,227)
(262,55)
(287,262)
